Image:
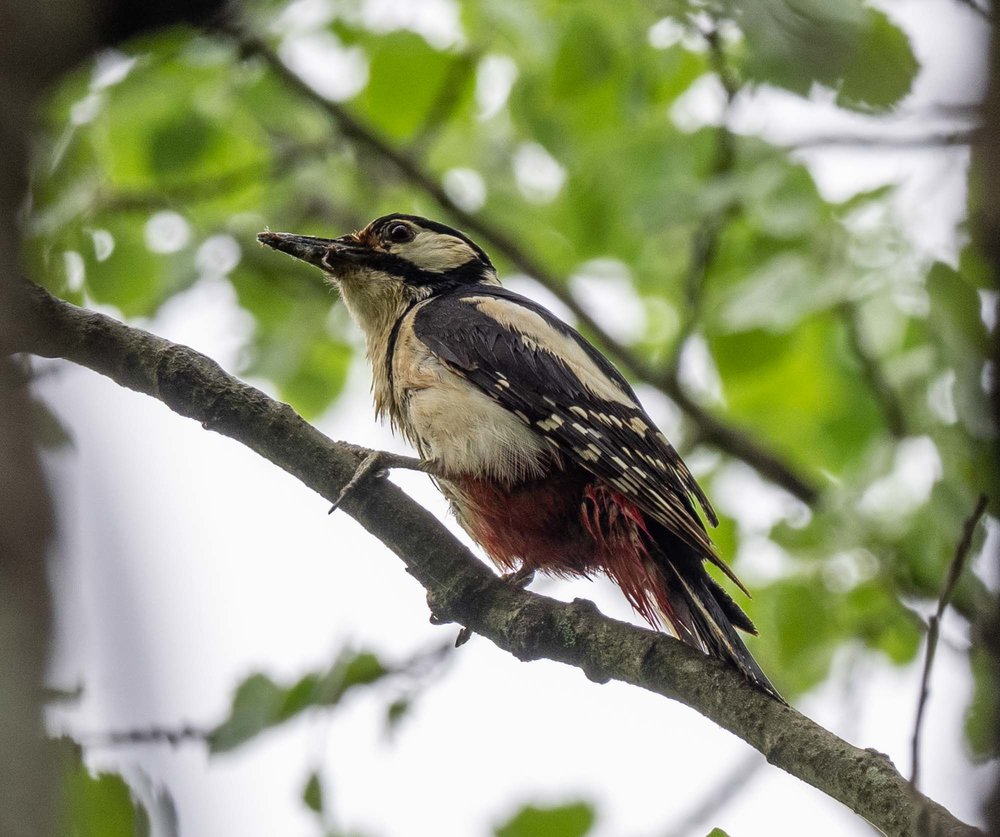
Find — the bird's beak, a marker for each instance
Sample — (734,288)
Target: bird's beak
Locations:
(324,253)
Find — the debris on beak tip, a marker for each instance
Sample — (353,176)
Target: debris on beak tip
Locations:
(307,248)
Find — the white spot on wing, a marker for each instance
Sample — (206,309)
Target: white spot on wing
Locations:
(638,425)
(551,423)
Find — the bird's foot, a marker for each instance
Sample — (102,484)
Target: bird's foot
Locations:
(520,579)
(378,463)
(464,635)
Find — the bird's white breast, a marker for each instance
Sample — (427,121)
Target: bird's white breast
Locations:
(456,425)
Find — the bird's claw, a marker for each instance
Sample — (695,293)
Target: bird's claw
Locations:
(377,463)
(369,466)
(464,635)
(520,578)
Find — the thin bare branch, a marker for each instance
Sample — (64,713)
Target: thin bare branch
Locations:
(705,240)
(174,736)
(448,97)
(934,628)
(947,139)
(732,784)
(712,430)
(462,589)
(985,13)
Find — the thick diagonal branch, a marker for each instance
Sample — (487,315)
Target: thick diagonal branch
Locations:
(462,589)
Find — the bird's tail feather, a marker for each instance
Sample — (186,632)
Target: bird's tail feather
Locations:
(702,614)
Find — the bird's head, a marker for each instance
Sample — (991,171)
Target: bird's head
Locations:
(395,261)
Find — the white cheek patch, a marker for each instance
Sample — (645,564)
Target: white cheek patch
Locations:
(435,251)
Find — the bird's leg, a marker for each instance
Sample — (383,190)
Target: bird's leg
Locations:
(520,578)
(378,463)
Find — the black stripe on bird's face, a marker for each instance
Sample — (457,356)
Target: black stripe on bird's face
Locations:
(467,273)
(424,253)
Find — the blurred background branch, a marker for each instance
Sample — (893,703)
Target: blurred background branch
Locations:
(934,628)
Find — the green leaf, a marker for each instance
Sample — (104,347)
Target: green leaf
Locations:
(586,57)
(845,45)
(294,344)
(174,121)
(132,277)
(572,820)
(981,717)
(800,391)
(260,703)
(312,793)
(793,43)
(319,377)
(256,706)
(407,78)
(396,711)
(717,832)
(956,312)
(101,806)
(883,67)
(177,144)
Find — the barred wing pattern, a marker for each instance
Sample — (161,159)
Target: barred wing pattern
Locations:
(548,375)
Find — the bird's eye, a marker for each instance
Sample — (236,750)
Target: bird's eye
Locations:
(399,233)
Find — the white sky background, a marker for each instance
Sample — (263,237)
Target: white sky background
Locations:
(189,563)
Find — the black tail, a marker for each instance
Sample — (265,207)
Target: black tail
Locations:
(702,614)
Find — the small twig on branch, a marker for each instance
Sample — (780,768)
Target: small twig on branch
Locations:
(723,69)
(147,735)
(934,628)
(462,589)
(705,240)
(712,430)
(421,665)
(874,375)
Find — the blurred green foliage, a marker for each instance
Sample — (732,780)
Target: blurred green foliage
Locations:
(260,703)
(575,819)
(100,805)
(562,124)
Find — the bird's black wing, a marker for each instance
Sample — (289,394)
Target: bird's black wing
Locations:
(548,375)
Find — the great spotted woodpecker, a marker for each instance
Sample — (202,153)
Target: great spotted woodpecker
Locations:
(540,445)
